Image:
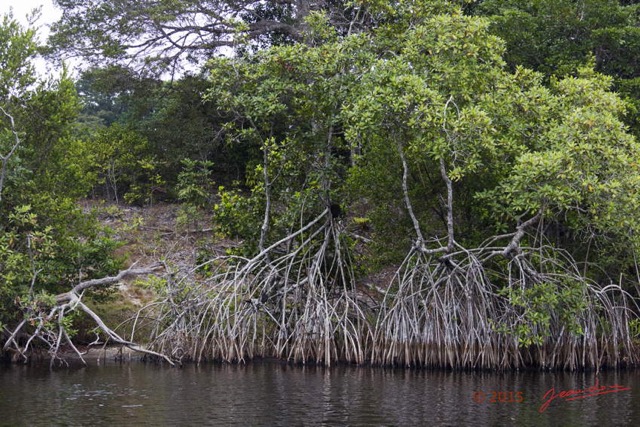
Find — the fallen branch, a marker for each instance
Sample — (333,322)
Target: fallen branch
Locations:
(50,327)
(79,288)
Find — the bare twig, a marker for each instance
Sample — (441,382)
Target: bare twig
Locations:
(5,158)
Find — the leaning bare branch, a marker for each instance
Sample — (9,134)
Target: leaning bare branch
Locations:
(407,200)
(105,281)
(50,327)
(5,158)
(513,248)
(114,336)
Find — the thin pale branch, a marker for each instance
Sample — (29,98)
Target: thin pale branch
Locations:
(5,158)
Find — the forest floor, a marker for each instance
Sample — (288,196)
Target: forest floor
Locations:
(161,232)
(180,238)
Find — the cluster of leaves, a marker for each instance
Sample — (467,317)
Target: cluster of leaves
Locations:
(539,304)
(511,144)
(164,123)
(164,35)
(287,101)
(558,37)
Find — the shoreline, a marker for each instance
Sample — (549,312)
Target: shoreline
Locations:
(99,356)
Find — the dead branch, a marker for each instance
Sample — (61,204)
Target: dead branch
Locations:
(5,158)
(514,245)
(79,288)
(50,327)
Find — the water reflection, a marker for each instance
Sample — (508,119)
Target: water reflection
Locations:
(272,394)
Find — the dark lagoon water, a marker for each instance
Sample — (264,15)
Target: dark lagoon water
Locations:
(273,394)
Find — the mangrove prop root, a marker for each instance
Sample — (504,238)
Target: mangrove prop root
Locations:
(467,310)
(464,308)
(300,306)
(449,307)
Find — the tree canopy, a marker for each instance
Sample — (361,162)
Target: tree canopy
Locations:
(173,33)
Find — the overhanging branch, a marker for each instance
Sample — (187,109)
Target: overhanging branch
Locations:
(51,329)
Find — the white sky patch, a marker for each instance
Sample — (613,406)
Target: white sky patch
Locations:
(22,8)
(48,15)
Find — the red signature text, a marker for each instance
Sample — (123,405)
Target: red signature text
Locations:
(498,397)
(568,395)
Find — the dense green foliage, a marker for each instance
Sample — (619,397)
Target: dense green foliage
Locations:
(559,37)
(337,119)
(164,35)
(46,242)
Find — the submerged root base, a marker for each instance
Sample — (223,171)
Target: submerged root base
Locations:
(465,314)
